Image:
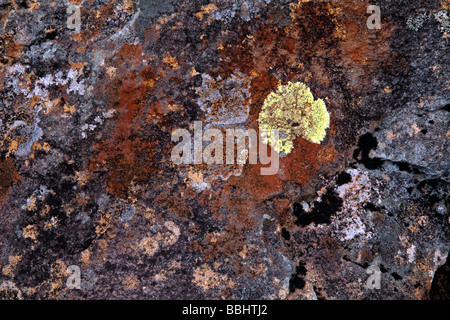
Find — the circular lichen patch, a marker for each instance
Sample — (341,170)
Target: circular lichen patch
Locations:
(293,111)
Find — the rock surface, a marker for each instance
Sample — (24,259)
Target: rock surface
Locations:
(86,177)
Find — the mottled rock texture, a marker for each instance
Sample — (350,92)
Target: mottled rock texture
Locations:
(86,177)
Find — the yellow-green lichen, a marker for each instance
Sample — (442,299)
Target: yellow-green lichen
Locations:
(293,111)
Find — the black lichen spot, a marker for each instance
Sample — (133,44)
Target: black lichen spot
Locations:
(297,281)
(322,212)
(55,203)
(285,234)
(366,143)
(67,186)
(51,34)
(343,178)
(301,270)
(330,204)
(303,218)
(23,4)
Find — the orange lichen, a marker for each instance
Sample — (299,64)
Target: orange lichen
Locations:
(131,282)
(171,61)
(207,278)
(149,246)
(104,223)
(8,270)
(206,10)
(30,232)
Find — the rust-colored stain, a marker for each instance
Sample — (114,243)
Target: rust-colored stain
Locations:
(8,177)
(126,156)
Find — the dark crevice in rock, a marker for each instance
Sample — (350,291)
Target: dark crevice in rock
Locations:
(396,276)
(440,287)
(405,166)
(371,207)
(318,292)
(366,143)
(364,265)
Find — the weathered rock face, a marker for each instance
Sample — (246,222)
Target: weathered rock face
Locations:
(87,180)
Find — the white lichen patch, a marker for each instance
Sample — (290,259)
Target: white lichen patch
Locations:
(244,9)
(444,21)
(352,227)
(411,252)
(29,135)
(357,191)
(23,128)
(416,22)
(351,221)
